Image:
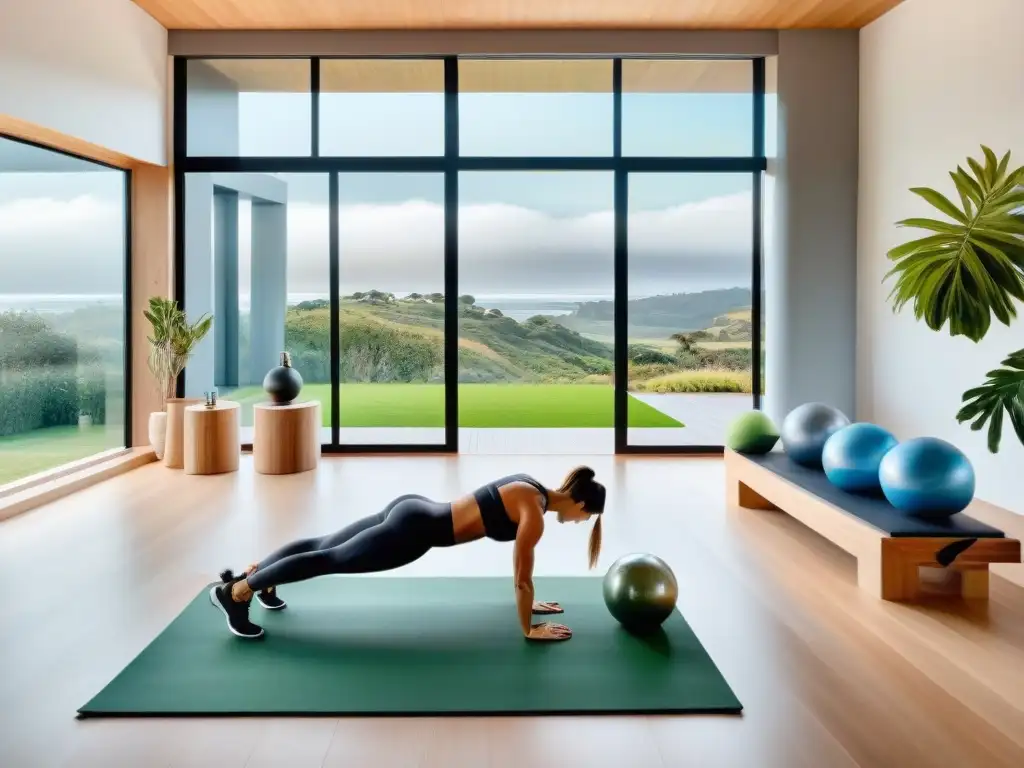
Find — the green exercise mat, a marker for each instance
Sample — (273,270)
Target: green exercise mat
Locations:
(371,645)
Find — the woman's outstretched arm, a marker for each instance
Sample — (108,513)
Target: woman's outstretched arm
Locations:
(531,527)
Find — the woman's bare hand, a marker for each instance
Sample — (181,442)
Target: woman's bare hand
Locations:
(543,608)
(549,631)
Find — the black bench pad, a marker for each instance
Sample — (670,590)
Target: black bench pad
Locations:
(876,511)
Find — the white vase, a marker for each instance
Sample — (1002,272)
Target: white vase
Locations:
(158,432)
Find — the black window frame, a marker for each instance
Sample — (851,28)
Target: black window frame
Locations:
(451,163)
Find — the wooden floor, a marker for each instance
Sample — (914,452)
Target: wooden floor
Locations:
(828,676)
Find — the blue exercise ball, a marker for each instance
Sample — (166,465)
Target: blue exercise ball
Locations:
(927,477)
(852,455)
(805,430)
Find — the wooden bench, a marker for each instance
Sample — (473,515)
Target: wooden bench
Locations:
(890,547)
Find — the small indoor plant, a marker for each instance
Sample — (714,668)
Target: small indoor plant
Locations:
(171,345)
(968,269)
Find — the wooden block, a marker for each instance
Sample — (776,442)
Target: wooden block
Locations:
(745,496)
(974,583)
(286,438)
(212,444)
(174,449)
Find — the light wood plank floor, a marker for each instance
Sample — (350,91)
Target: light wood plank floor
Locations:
(828,677)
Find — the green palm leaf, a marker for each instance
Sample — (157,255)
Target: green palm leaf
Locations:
(972,267)
(1002,394)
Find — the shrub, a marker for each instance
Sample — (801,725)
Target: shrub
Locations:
(27,342)
(732,359)
(92,394)
(645,355)
(32,400)
(650,371)
(373,352)
(708,380)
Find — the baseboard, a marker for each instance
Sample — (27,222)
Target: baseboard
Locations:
(65,484)
(1009,523)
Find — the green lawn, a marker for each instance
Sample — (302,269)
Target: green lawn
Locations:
(480,405)
(368,405)
(25,454)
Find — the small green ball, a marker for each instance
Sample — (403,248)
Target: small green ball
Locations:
(752,432)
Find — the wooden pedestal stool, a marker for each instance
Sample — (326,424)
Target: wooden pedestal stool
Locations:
(212,444)
(286,438)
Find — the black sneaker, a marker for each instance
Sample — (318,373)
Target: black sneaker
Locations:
(237,614)
(268,599)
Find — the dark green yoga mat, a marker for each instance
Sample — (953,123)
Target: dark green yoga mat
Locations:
(423,646)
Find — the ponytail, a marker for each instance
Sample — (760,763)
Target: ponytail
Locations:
(595,542)
(581,486)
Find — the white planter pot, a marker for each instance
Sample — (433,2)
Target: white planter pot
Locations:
(158,432)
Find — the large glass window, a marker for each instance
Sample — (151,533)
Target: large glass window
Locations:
(486,254)
(256,258)
(62,309)
(537,108)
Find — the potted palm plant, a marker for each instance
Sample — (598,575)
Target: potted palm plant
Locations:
(171,345)
(968,269)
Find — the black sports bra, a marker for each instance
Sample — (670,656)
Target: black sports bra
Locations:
(497,524)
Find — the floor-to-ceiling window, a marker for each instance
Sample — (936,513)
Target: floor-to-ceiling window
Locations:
(63,255)
(499,254)
(690,321)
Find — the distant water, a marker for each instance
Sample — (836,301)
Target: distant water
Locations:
(56,303)
(517,306)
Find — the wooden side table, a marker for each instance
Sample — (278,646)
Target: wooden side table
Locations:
(286,438)
(174,445)
(212,444)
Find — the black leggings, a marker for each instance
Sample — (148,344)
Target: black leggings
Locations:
(404,531)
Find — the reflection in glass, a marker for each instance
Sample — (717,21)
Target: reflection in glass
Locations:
(391,284)
(537,108)
(263,239)
(62,305)
(689,318)
(681,108)
(248,107)
(381,107)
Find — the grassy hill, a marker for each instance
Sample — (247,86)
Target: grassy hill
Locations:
(657,317)
(732,326)
(403,341)
(384,340)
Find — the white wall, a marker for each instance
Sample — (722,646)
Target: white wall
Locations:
(937,79)
(95,70)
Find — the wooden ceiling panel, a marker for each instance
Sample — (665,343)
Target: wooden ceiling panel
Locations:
(514,14)
(479,75)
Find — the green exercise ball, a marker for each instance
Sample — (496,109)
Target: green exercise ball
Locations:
(640,591)
(752,432)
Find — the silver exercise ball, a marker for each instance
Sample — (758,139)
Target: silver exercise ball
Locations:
(805,430)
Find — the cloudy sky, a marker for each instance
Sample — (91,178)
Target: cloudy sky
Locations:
(61,232)
(508,247)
